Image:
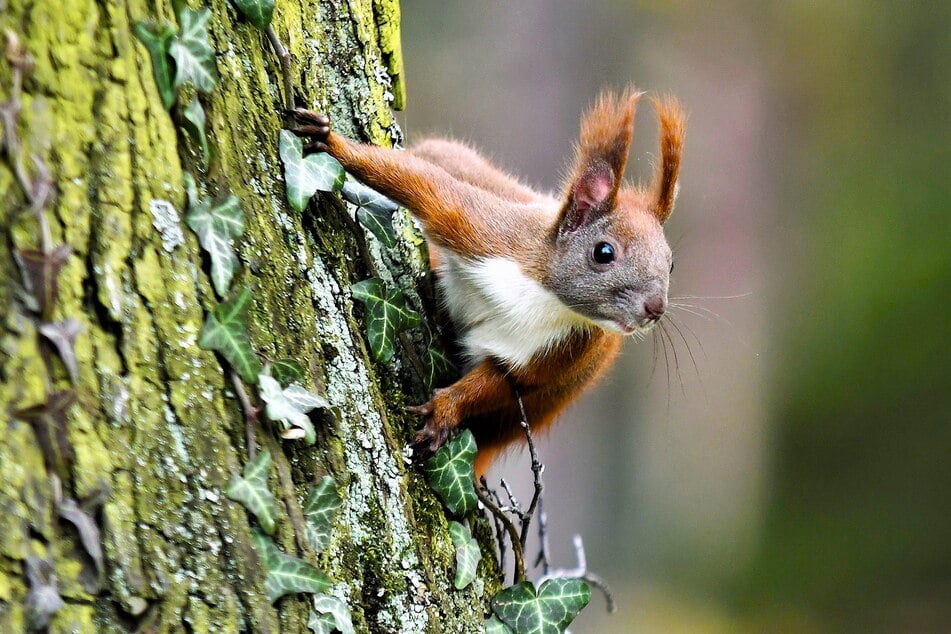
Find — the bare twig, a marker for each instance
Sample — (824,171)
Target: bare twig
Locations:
(513,505)
(483,494)
(581,572)
(287,70)
(499,531)
(544,548)
(537,469)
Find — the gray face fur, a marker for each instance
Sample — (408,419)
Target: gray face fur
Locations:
(627,294)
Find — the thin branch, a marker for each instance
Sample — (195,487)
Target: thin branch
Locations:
(482,493)
(499,532)
(537,469)
(581,572)
(514,506)
(287,70)
(544,548)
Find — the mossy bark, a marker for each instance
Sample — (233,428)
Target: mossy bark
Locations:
(156,422)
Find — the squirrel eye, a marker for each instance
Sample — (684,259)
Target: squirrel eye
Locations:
(603,253)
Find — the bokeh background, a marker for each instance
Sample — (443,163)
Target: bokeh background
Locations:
(781,463)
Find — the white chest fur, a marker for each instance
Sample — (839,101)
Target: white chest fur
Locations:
(499,311)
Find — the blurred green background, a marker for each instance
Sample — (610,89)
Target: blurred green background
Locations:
(785,465)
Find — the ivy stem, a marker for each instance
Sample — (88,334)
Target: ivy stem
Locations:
(483,494)
(38,192)
(364,249)
(289,493)
(287,70)
(250,413)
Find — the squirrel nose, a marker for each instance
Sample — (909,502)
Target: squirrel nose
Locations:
(654,307)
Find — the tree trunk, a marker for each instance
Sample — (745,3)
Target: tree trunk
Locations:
(157,423)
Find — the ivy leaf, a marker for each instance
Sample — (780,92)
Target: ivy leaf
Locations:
(438,366)
(286,574)
(375,211)
(287,371)
(41,276)
(330,615)
(258,12)
(451,475)
(252,491)
(194,57)
(304,175)
(290,406)
(379,223)
(226,330)
(468,554)
(62,334)
(494,626)
(387,315)
(216,225)
(49,425)
(320,509)
(549,611)
(194,117)
(158,41)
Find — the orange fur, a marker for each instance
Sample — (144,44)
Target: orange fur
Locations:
(672,129)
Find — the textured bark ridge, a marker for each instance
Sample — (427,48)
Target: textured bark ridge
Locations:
(156,422)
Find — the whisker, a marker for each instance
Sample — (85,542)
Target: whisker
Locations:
(696,338)
(653,354)
(740,296)
(692,310)
(692,358)
(663,346)
(673,349)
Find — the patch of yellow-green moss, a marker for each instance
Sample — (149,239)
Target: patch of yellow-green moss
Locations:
(388,28)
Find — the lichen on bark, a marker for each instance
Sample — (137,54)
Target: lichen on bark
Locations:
(156,422)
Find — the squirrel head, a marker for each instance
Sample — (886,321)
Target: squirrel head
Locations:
(610,260)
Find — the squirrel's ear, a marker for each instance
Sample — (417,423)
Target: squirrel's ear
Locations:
(673,125)
(600,158)
(589,194)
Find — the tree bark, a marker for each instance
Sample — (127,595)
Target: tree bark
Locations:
(156,422)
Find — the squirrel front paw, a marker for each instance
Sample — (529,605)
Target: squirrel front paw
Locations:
(314,126)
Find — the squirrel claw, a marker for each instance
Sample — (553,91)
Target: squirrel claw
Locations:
(312,125)
(420,410)
(427,441)
(309,117)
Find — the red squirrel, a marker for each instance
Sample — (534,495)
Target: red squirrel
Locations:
(541,290)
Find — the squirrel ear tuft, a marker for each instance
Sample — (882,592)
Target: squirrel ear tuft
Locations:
(600,158)
(673,124)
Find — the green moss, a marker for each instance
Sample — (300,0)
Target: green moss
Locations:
(74,618)
(388,27)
